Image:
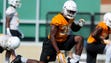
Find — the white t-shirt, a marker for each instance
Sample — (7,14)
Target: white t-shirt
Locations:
(14,23)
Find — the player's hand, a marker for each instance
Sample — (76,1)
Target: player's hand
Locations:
(107,41)
(61,58)
(81,22)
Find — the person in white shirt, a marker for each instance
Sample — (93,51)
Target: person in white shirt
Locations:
(12,19)
(12,23)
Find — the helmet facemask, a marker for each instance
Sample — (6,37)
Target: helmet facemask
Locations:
(69,14)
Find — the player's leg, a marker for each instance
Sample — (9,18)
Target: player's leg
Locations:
(91,57)
(78,48)
(92,50)
(19,59)
(48,54)
(78,42)
(108,53)
(13,54)
(7,56)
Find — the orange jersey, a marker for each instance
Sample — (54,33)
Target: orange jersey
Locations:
(63,27)
(105,32)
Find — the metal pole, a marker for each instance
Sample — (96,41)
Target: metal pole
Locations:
(4,16)
(37,21)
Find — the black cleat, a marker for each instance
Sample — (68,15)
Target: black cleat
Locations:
(68,60)
(17,59)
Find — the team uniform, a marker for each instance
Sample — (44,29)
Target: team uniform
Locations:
(94,45)
(64,40)
(14,21)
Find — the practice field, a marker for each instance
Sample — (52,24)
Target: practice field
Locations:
(33,51)
(30,50)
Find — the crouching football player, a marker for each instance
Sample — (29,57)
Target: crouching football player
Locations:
(8,43)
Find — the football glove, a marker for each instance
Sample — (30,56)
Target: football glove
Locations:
(8,31)
(61,58)
(81,22)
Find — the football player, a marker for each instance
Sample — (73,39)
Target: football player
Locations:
(107,19)
(98,39)
(8,43)
(12,22)
(60,37)
(12,19)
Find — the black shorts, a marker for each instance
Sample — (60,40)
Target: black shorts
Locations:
(49,53)
(16,33)
(1,49)
(97,48)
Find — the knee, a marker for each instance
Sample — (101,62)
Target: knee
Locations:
(79,39)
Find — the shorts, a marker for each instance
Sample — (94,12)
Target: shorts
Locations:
(16,33)
(97,48)
(49,53)
(1,49)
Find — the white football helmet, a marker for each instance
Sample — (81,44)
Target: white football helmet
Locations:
(13,43)
(15,3)
(69,9)
(107,19)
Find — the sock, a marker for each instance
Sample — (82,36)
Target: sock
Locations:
(75,58)
(6,60)
(24,60)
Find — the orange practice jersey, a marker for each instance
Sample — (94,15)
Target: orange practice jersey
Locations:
(63,27)
(104,34)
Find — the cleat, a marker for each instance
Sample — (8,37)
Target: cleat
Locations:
(68,60)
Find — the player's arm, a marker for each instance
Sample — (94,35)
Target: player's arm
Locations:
(52,34)
(75,27)
(96,34)
(8,21)
(8,18)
